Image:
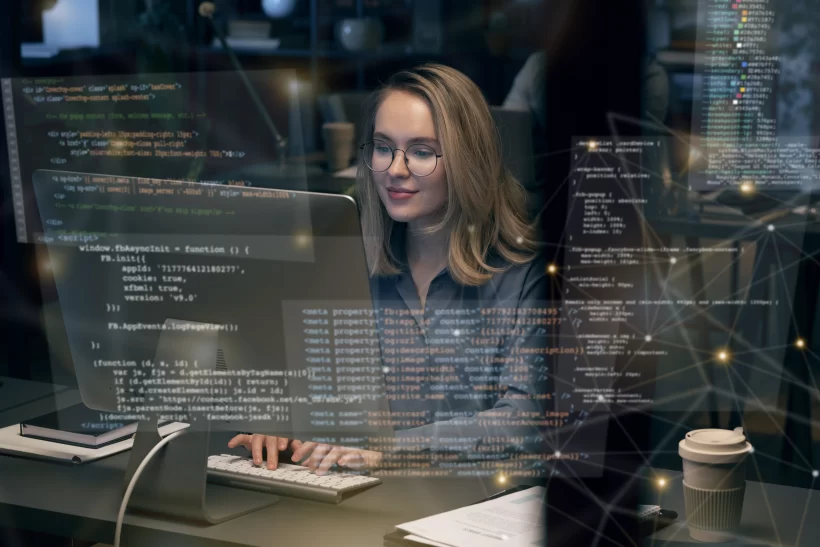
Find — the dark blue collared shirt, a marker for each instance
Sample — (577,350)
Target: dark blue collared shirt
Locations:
(471,366)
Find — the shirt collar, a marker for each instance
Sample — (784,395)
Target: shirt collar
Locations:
(398,247)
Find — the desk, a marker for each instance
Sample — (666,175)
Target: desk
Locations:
(82,502)
(772,515)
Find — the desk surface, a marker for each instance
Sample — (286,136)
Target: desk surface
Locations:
(82,502)
(772,515)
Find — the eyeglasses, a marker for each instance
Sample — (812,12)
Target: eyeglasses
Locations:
(420,159)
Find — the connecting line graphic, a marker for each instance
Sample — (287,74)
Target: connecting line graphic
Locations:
(794,319)
(557,190)
(754,234)
(675,328)
(772,520)
(628,485)
(769,415)
(632,193)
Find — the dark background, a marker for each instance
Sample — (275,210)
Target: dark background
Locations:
(596,50)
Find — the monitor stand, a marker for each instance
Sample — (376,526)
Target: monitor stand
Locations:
(174,482)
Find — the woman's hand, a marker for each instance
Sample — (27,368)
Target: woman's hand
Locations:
(255,443)
(323,456)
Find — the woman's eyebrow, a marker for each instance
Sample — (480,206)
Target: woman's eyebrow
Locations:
(380,135)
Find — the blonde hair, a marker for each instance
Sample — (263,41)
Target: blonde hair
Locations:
(486,205)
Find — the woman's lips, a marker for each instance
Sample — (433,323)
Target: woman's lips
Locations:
(400,193)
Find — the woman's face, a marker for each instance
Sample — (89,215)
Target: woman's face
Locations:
(404,120)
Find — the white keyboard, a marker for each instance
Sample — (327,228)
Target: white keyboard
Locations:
(287,480)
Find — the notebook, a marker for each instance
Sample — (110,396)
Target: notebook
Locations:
(14,444)
(78,426)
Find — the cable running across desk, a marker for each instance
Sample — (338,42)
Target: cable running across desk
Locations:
(145,461)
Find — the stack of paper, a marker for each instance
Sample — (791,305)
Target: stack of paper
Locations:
(515,520)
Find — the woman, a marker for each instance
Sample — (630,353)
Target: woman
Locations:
(445,237)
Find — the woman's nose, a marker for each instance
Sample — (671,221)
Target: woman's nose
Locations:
(399,168)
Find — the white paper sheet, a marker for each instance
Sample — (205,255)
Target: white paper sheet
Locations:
(515,520)
(425,541)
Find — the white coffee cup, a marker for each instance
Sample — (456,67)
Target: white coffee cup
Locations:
(714,482)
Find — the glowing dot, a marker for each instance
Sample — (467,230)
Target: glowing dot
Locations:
(770,227)
(600,398)
(501,479)
(552,268)
(751,450)
(456,332)
(592,145)
(557,454)
(661,482)
(800,343)
(386,370)
(301,240)
(723,356)
(519,240)
(505,537)
(815,473)
(648,337)
(673,260)
(747,188)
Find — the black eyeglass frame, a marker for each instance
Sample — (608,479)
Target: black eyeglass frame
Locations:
(393,158)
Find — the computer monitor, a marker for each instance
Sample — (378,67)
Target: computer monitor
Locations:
(233,308)
(280,273)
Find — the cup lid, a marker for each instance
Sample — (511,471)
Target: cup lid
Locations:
(715,445)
